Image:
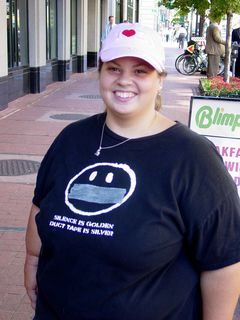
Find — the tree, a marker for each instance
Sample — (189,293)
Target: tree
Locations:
(185,6)
(220,8)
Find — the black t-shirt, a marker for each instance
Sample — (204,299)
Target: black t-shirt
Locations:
(126,235)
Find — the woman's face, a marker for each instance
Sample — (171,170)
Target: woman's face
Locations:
(129,86)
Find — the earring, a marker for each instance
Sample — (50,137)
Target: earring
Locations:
(159,91)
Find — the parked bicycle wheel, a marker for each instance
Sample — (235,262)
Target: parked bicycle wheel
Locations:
(190,64)
(187,64)
(177,61)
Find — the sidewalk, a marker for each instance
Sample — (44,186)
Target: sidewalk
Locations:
(27,128)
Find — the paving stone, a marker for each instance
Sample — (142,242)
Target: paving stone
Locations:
(6,315)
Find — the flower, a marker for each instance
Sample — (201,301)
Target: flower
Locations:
(215,86)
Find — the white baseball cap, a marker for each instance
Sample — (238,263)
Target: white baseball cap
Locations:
(134,40)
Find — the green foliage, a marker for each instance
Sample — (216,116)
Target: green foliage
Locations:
(168,4)
(219,8)
(215,86)
(185,6)
(201,6)
(205,85)
(177,20)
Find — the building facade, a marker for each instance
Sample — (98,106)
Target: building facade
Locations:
(43,41)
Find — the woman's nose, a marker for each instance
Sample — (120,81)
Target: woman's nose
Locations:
(125,78)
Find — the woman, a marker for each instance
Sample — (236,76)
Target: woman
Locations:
(134,216)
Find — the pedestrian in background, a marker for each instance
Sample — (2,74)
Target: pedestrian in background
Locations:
(236,38)
(167,34)
(118,228)
(181,36)
(109,26)
(214,48)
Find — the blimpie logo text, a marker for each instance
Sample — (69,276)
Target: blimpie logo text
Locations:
(206,117)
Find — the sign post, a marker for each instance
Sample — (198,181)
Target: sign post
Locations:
(218,119)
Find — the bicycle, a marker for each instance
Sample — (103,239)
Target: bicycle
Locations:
(194,59)
(192,45)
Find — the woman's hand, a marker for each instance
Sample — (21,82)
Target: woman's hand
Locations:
(30,281)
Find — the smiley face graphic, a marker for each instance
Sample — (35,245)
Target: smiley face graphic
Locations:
(100,188)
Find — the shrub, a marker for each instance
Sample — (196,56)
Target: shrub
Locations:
(215,86)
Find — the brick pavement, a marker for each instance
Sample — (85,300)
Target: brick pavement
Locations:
(27,128)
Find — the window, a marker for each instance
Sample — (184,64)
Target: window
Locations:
(51,29)
(130,10)
(136,10)
(17,33)
(73,26)
(119,11)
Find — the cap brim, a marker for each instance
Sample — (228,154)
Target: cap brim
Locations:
(115,53)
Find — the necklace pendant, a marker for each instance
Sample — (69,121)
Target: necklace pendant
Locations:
(97,153)
(100,148)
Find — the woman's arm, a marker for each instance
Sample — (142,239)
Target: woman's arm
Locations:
(33,246)
(220,291)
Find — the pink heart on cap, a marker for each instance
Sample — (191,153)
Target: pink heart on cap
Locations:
(129,33)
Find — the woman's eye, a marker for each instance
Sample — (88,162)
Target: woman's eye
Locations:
(114,69)
(140,71)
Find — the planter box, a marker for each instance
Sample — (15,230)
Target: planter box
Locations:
(222,90)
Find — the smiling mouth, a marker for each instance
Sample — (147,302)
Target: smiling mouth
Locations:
(124,94)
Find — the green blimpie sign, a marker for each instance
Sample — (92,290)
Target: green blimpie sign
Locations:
(218,119)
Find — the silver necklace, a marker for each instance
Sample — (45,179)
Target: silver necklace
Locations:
(97,153)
